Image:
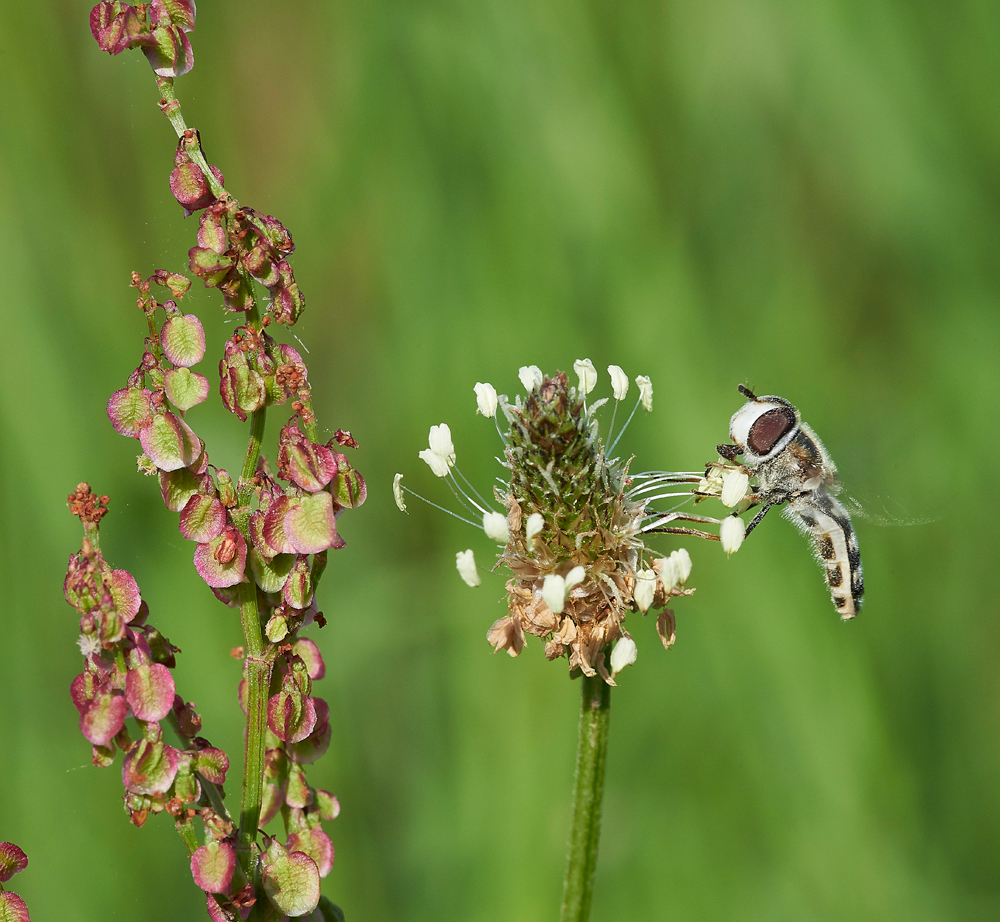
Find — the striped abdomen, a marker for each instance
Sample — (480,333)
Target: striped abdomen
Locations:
(828,526)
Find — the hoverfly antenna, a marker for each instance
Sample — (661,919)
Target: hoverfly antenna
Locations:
(746,392)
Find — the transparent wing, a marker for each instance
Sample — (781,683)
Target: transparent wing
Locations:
(883,511)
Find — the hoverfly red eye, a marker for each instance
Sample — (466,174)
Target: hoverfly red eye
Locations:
(769,428)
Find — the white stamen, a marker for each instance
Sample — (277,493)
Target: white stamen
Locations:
(619,381)
(624,654)
(554,593)
(587,375)
(667,573)
(397,492)
(645,589)
(575,576)
(466,564)
(682,565)
(441,454)
(534,526)
(531,377)
(441,444)
(731,534)
(495,526)
(486,398)
(437,464)
(734,486)
(645,392)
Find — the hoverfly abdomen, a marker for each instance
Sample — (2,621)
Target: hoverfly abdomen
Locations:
(828,526)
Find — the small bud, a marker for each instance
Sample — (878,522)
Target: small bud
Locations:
(397,492)
(534,526)
(619,381)
(531,377)
(298,589)
(554,593)
(587,375)
(575,576)
(731,534)
(466,563)
(734,486)
(645,392)
(495,526)
(486,398)
(645,589)
(624,654)
(276,628)
(227,489)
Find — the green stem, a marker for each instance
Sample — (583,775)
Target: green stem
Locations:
(258,679)
(185,829)
(592,749)
(173,113)
(309,421)
(245,485)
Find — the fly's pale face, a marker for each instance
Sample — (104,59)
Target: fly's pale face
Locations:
(794,470)
(762,428)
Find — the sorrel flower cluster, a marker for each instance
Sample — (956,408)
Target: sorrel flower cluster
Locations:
(159,28)
(574,523)
(290,523)
(261,538)
(12,861)
(127,665)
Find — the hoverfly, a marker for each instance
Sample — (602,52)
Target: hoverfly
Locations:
(794,470)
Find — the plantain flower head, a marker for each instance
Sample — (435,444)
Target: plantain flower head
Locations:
(574,522)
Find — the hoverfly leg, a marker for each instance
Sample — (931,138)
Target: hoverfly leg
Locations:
(758,518)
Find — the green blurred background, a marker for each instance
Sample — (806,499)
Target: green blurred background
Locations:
(802,197)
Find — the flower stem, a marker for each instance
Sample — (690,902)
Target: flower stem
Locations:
(258,679)
(592,749)
(257,419)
